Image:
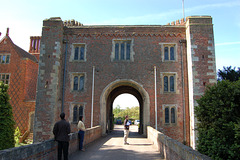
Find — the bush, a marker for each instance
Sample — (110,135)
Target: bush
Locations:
(6,119)
(218,114)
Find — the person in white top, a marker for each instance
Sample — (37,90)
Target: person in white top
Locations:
(126,130)
(81,131)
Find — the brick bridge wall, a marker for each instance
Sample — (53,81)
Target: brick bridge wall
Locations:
(172,149)
(48,149)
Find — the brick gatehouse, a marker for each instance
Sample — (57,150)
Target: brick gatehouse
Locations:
(83,68)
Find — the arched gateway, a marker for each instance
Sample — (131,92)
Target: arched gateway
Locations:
(116,88)
(166,67)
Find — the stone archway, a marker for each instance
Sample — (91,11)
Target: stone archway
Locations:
(118,87)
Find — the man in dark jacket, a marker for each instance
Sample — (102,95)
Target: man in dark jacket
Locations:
(61,130)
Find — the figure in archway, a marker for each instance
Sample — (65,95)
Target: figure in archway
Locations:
(126,130)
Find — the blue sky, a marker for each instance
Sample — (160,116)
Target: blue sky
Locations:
(24,18)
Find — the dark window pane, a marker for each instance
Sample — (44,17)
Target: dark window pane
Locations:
(128,51)
(0,58)
(172,115)
(172,53)
(166,83)
(172,83)
(75,83)
(80,111)
(122,51)
(7,76)
(81,87)
(76,53)
(8,58)
(117,51)
(6,82)
(166,53)
(166,115)
(75,114)
(82,53)
(3,76)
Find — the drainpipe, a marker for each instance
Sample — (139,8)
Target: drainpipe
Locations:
(155,84)
(64,72)
(92,96)
(183,90)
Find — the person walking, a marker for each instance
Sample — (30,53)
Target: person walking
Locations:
(126,130)
(81,131)
(61,132)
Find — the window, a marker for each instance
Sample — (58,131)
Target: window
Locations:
(169,114)
(4,59)
(79,52)
(169,52)
(5,78)
(172,115)
(78,82)
(166,115)
(169,83)
(77,112)
(122,50)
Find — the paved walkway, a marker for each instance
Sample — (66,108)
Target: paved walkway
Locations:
(111,147)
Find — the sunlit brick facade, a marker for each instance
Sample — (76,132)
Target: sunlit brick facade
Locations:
(83,68)
(19,69)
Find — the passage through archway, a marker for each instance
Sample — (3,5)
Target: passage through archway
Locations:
(115,89)
(126,104)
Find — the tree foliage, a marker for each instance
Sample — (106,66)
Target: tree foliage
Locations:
(6,119)
(133,112)
(229,73)
(218,114)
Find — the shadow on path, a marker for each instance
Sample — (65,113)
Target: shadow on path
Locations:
(111,147)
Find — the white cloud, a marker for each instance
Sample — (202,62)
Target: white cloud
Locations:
(164,16)
(217,5)
(227,43)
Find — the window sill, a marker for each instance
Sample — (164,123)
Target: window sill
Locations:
(77,61)
(169,92)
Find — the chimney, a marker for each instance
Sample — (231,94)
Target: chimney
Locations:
(7,33)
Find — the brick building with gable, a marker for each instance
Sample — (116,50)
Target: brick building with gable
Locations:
(83,68)
(19,69)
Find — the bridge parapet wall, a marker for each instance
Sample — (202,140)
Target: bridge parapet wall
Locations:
(47,150)
(172,149)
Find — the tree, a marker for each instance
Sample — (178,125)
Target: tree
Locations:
(6,119)
(229,73)
(133,112)
(218,113)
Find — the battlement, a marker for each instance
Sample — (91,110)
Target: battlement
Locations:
(177,22)
(72,23)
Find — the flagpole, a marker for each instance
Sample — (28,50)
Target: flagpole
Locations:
(183,8)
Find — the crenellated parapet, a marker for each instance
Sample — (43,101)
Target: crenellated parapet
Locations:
(177,22)
(72,23)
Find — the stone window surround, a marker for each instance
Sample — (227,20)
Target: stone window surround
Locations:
(170,106)
(72,75)
(5,77)
(131,50)
(163,45)
(78,104)
(73,52)
(5,54)
(162,75)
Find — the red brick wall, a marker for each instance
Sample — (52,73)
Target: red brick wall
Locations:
(148,51)
(30,80)
(18,84)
